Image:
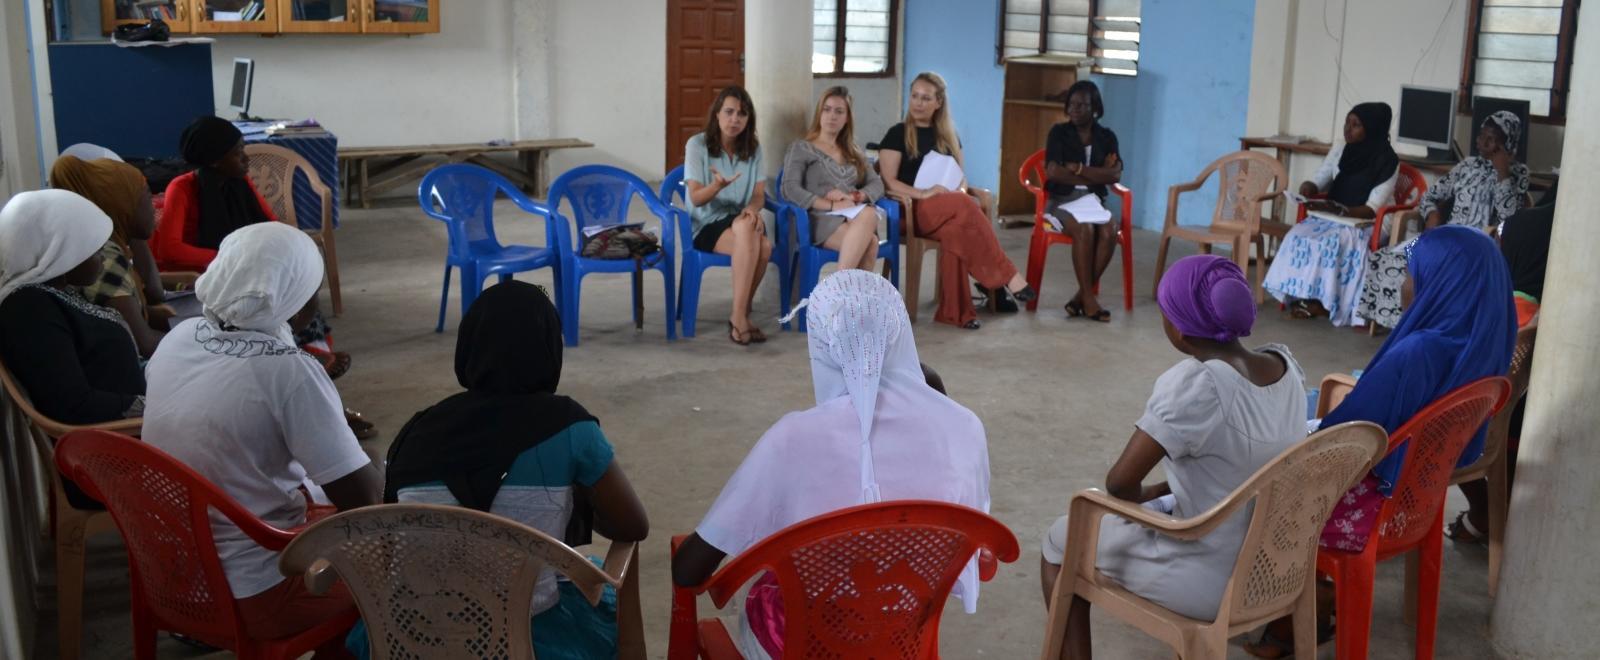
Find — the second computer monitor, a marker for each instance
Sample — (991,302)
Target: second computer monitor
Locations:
(1427,118)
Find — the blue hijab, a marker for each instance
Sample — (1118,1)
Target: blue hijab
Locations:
(1461,327)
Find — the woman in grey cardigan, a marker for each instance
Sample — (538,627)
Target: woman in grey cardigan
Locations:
(827,174)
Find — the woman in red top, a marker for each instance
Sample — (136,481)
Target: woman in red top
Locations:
(207,204)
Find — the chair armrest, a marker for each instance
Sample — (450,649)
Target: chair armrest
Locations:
(131,426)
(1383,212)
(1335,387)
(1126,195)
(1398,235)
(908,222)
(683,636)
(1095,503)
(987,565)
(619,561)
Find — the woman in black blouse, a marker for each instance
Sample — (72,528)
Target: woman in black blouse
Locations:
(1081,158)
(77,360)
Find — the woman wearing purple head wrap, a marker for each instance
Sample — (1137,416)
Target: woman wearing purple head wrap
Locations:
(1213,420)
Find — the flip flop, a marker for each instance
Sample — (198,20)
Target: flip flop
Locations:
(359,425)
(1074,309)
(756,335)
(1463,531)
(737,337)
(1102,316)
(1280,649)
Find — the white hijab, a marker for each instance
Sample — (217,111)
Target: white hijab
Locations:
(263,274)
(44,234)
(878,432)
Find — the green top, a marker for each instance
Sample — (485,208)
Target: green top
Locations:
(697,166)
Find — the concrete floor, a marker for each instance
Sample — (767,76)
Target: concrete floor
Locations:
(1058,399)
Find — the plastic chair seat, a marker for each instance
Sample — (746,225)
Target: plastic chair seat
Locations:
(1045,234)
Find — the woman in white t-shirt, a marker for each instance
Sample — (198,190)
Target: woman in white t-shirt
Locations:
(231,396)
(1212,421)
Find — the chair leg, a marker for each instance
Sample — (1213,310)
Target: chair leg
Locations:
(913,282)
(1038,249)
(1127,272)
(471,286)
(670,296)
(689,295)
(444,298)
(70,532)
(630,620)
(1408,612)
(1353,602)
(569,315)
(1499,502)
(1305,616)
(810,269)
(1261,268)
(330,262)
(1161,264)
(144,631)
(785,281)
(1431,554)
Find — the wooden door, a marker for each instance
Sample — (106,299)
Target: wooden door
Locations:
(705,53)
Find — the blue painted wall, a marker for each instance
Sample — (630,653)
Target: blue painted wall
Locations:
(1186,107)
(955,38)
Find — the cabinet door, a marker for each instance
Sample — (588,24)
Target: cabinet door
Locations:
(399,16)
(320,16)
(236,16)
(119,12)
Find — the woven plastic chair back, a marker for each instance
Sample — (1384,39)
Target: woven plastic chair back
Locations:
(1409,186)
(1245,177)
(437,581)
(1434,439)
(272,170)
(1295,494)
(463,195)
(869,581)
(1521,371)
(162,509)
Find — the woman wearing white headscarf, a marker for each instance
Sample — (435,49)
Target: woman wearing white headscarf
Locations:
(77,360)
(878,432)
(232,397)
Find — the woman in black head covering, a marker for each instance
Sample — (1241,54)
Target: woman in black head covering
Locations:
(509,445)
(1318,270)
(204,206)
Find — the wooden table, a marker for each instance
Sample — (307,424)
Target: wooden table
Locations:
(397,165)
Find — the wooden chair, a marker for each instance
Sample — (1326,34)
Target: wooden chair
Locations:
(450,582)
(70,526)
(868,581)
(164,511)
(1274,575)
(918,246)
(272,170)
(1247,180)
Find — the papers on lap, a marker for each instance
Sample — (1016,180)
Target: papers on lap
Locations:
(848,212)
(1341,219)
(1086,209)
(939,170)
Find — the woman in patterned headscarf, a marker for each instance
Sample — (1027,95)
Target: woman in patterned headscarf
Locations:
(1481,192)
(878,432)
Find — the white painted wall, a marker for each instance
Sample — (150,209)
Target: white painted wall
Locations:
(609,72)
(1332,54)
(778,75)
(878,103)
(19,168)
(370,90)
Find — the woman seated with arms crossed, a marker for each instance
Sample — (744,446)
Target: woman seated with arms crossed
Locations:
(722,171)
(1081,158)
(1323,261)
(1458,328)
(510,446)
(77,360)
(827,172)
(951,217)
(1213,420)
(878,432)
(1481,192)
(124,284)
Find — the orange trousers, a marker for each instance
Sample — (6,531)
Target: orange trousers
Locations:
(969,247)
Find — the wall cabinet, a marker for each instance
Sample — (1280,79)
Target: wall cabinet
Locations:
(203,17)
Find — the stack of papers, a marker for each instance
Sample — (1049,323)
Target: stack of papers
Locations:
(939,170)
(1086,209)
(1341,219)
(849,212)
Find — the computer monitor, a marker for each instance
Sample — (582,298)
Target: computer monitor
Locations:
(244,72)
(1483,106)
(1427,118)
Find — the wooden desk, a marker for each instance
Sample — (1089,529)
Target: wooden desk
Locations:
(397,165)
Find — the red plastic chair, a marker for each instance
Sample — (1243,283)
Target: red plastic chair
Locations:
(160,507)
(886,570)
(1413,518)
(1045,236)
(1408,190)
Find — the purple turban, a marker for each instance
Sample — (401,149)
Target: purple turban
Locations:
(1207,297)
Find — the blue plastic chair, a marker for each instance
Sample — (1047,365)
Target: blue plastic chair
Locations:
(813,257)
(695,262)
(463,197)
(599,195)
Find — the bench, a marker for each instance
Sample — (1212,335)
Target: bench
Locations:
(367,171)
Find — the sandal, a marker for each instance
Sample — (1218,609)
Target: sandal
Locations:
(737,337)
(1026,295)
(359,425)
(1303,310)
(756,335)
(1102,316)
(1463,531)
(972,325)
(1074,309)
(1272,648)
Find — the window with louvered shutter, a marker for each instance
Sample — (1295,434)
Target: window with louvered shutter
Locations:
(1106,30)
(853,38)
(1521,50)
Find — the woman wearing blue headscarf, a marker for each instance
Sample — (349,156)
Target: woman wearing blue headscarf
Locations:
(1459,327)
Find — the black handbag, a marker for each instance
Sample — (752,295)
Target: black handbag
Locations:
(155,30)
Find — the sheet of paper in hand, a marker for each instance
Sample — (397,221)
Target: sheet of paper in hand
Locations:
(848,212)
(1088,210)
(939,170)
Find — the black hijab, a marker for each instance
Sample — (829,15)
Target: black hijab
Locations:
(226,203)
(1367,163)
(1525,242)
(508,356)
